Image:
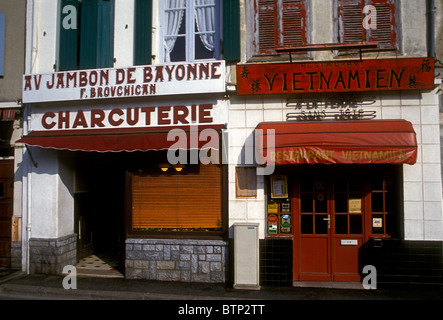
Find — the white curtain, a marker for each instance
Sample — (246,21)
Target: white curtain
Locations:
(174,20)
(205,18)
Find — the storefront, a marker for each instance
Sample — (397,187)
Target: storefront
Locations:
(350,149)
(137,175)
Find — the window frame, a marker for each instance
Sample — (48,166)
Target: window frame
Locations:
(220,234)
(190,34)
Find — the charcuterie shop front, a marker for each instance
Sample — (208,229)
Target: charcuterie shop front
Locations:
(342,161)
(136,177)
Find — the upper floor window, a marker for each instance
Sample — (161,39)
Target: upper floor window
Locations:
(190,30)
(86,38)
(351,14)
(279,23)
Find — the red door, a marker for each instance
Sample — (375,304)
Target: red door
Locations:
(329,227)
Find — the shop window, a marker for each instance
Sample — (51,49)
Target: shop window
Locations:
(86,37)
(381,205)
(279,23)
(246,182)
(190,30)
(189,199)
(351,16)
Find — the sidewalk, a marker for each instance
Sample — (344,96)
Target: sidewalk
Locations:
(42,287)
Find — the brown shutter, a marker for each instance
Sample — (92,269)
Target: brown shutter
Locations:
(294,22)
(190,199)
(267,28)
(280,22)
(350,14)
(385,33)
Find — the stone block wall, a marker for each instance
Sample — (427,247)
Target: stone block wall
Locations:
(16,255)
(177,260)
(49,256)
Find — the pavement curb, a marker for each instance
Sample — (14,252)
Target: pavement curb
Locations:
(79,294)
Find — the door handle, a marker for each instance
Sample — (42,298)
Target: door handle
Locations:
(329,221)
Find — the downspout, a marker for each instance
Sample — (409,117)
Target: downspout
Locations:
(430,25)
(31,12)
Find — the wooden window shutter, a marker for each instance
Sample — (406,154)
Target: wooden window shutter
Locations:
(267,26)
(231,30)
(351,18)
(97,34)
(88,34)
(188,200)
(294,22)
(385,33)
(105,34)
(143,32)
(280,23)
(68,39)
(351,21)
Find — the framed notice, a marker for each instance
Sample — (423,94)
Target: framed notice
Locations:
(279,186)
(354,205)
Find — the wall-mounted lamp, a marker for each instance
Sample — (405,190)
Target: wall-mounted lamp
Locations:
(178,167)
(164,166)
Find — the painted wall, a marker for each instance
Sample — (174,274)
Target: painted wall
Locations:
(10,83)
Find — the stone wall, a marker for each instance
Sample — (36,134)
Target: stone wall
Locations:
(177,260)
(16,255)
(49,256)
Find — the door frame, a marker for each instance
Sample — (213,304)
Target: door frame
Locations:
(335,271)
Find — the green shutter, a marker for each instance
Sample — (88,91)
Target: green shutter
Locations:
(231,30)
(105,34)
(97,34)
(88,34)
(68,48)
(143,32)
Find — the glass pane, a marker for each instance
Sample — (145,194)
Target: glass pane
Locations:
(321,225)
(202,48)
(377,201)
(377,183)
(306,224)
(321,203)
(178,53)
(341,203)
(340,185)
(377,224)
(389,202)
(341,224)
(306,185)
(355,185)
(355,224)
(306,202)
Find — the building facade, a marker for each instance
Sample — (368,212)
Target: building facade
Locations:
(12,51)
(153,129)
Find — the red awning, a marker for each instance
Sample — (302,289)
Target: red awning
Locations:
(336,142)
(125,139)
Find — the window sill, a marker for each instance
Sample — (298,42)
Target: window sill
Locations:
(196,235)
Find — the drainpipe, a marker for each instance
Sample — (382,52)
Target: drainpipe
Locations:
(430,24)
(31,15)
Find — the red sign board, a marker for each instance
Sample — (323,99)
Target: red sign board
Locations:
(336,76)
